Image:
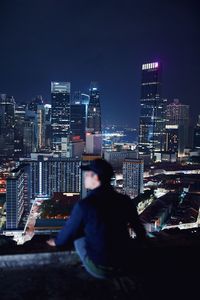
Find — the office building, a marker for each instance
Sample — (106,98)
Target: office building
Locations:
(18,197)
(7,123)
(116,158)
(133,170)
(77,122)
(94,143)
(60,119)
(178,114)
(196,139)
(152,111)
(51,174)
(94,110)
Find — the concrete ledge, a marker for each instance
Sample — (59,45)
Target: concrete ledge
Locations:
(33,260)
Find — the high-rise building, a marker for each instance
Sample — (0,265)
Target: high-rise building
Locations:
(72,149)
(60,119)
(38,100)
(196,139)
(94,110)
(77,122)
(116,158)
(7,124)
(172,138)
(94,143)
(85,99)
(133,170)
(17,196)
(51,174)
(178,114)
(30,133)
(41,127)
(37,105)
(20,112)
(152,110)
(48,131)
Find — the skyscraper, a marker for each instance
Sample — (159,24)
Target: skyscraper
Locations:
(93,143)
(30,133)
(172,138)
(60,120)
(178,114)
(116,158)
(152,119)
(196,141)
(20,112)
(77,121)
(133,170)
(17,196)
(85,99)
(48,131)
(94,110)
(7,124)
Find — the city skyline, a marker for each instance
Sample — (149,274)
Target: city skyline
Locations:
(80,46)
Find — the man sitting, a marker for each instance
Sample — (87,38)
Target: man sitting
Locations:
(99,224)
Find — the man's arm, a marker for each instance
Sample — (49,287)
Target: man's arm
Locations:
(72,227)
(134,220)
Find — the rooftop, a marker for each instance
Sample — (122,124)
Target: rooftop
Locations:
(162,269)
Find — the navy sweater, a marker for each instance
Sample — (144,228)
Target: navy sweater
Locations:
(103,218)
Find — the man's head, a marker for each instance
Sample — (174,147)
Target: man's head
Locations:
(97,172)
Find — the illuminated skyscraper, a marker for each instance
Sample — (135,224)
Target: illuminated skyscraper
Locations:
(17,196)
(50,174)
(77,122)
(133,170)
(60,120)
(196,141)
(178,115)
(152,111)
(94,110)
(7,124)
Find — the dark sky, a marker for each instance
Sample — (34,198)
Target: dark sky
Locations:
(104,41)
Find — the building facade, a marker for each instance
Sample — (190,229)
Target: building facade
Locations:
(94,110)
(133,170)
(17,196)
(60,118)
(178,114)
(53,174)
(152,110)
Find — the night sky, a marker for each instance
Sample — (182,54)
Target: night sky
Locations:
(104,41)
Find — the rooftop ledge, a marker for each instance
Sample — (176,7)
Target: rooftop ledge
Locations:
(167,268)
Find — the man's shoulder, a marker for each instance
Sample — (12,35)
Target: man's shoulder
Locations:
(114,195)
(124,197)
(86,200)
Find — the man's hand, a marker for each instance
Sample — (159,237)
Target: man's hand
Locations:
(51,242)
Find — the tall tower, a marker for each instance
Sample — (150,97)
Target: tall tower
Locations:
(60,121)
(7,124)
(152,118)
(133,170)
(178,115)
(94,110)
(77,121)
(17,196)
(37,105)
(196,141)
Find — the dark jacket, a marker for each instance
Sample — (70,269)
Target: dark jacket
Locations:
(103,218)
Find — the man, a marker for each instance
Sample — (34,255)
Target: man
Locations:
(99,224)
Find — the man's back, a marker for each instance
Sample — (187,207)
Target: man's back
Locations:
(106,215)
(103,218)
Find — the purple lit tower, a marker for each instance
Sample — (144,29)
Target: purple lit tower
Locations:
(152,111)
